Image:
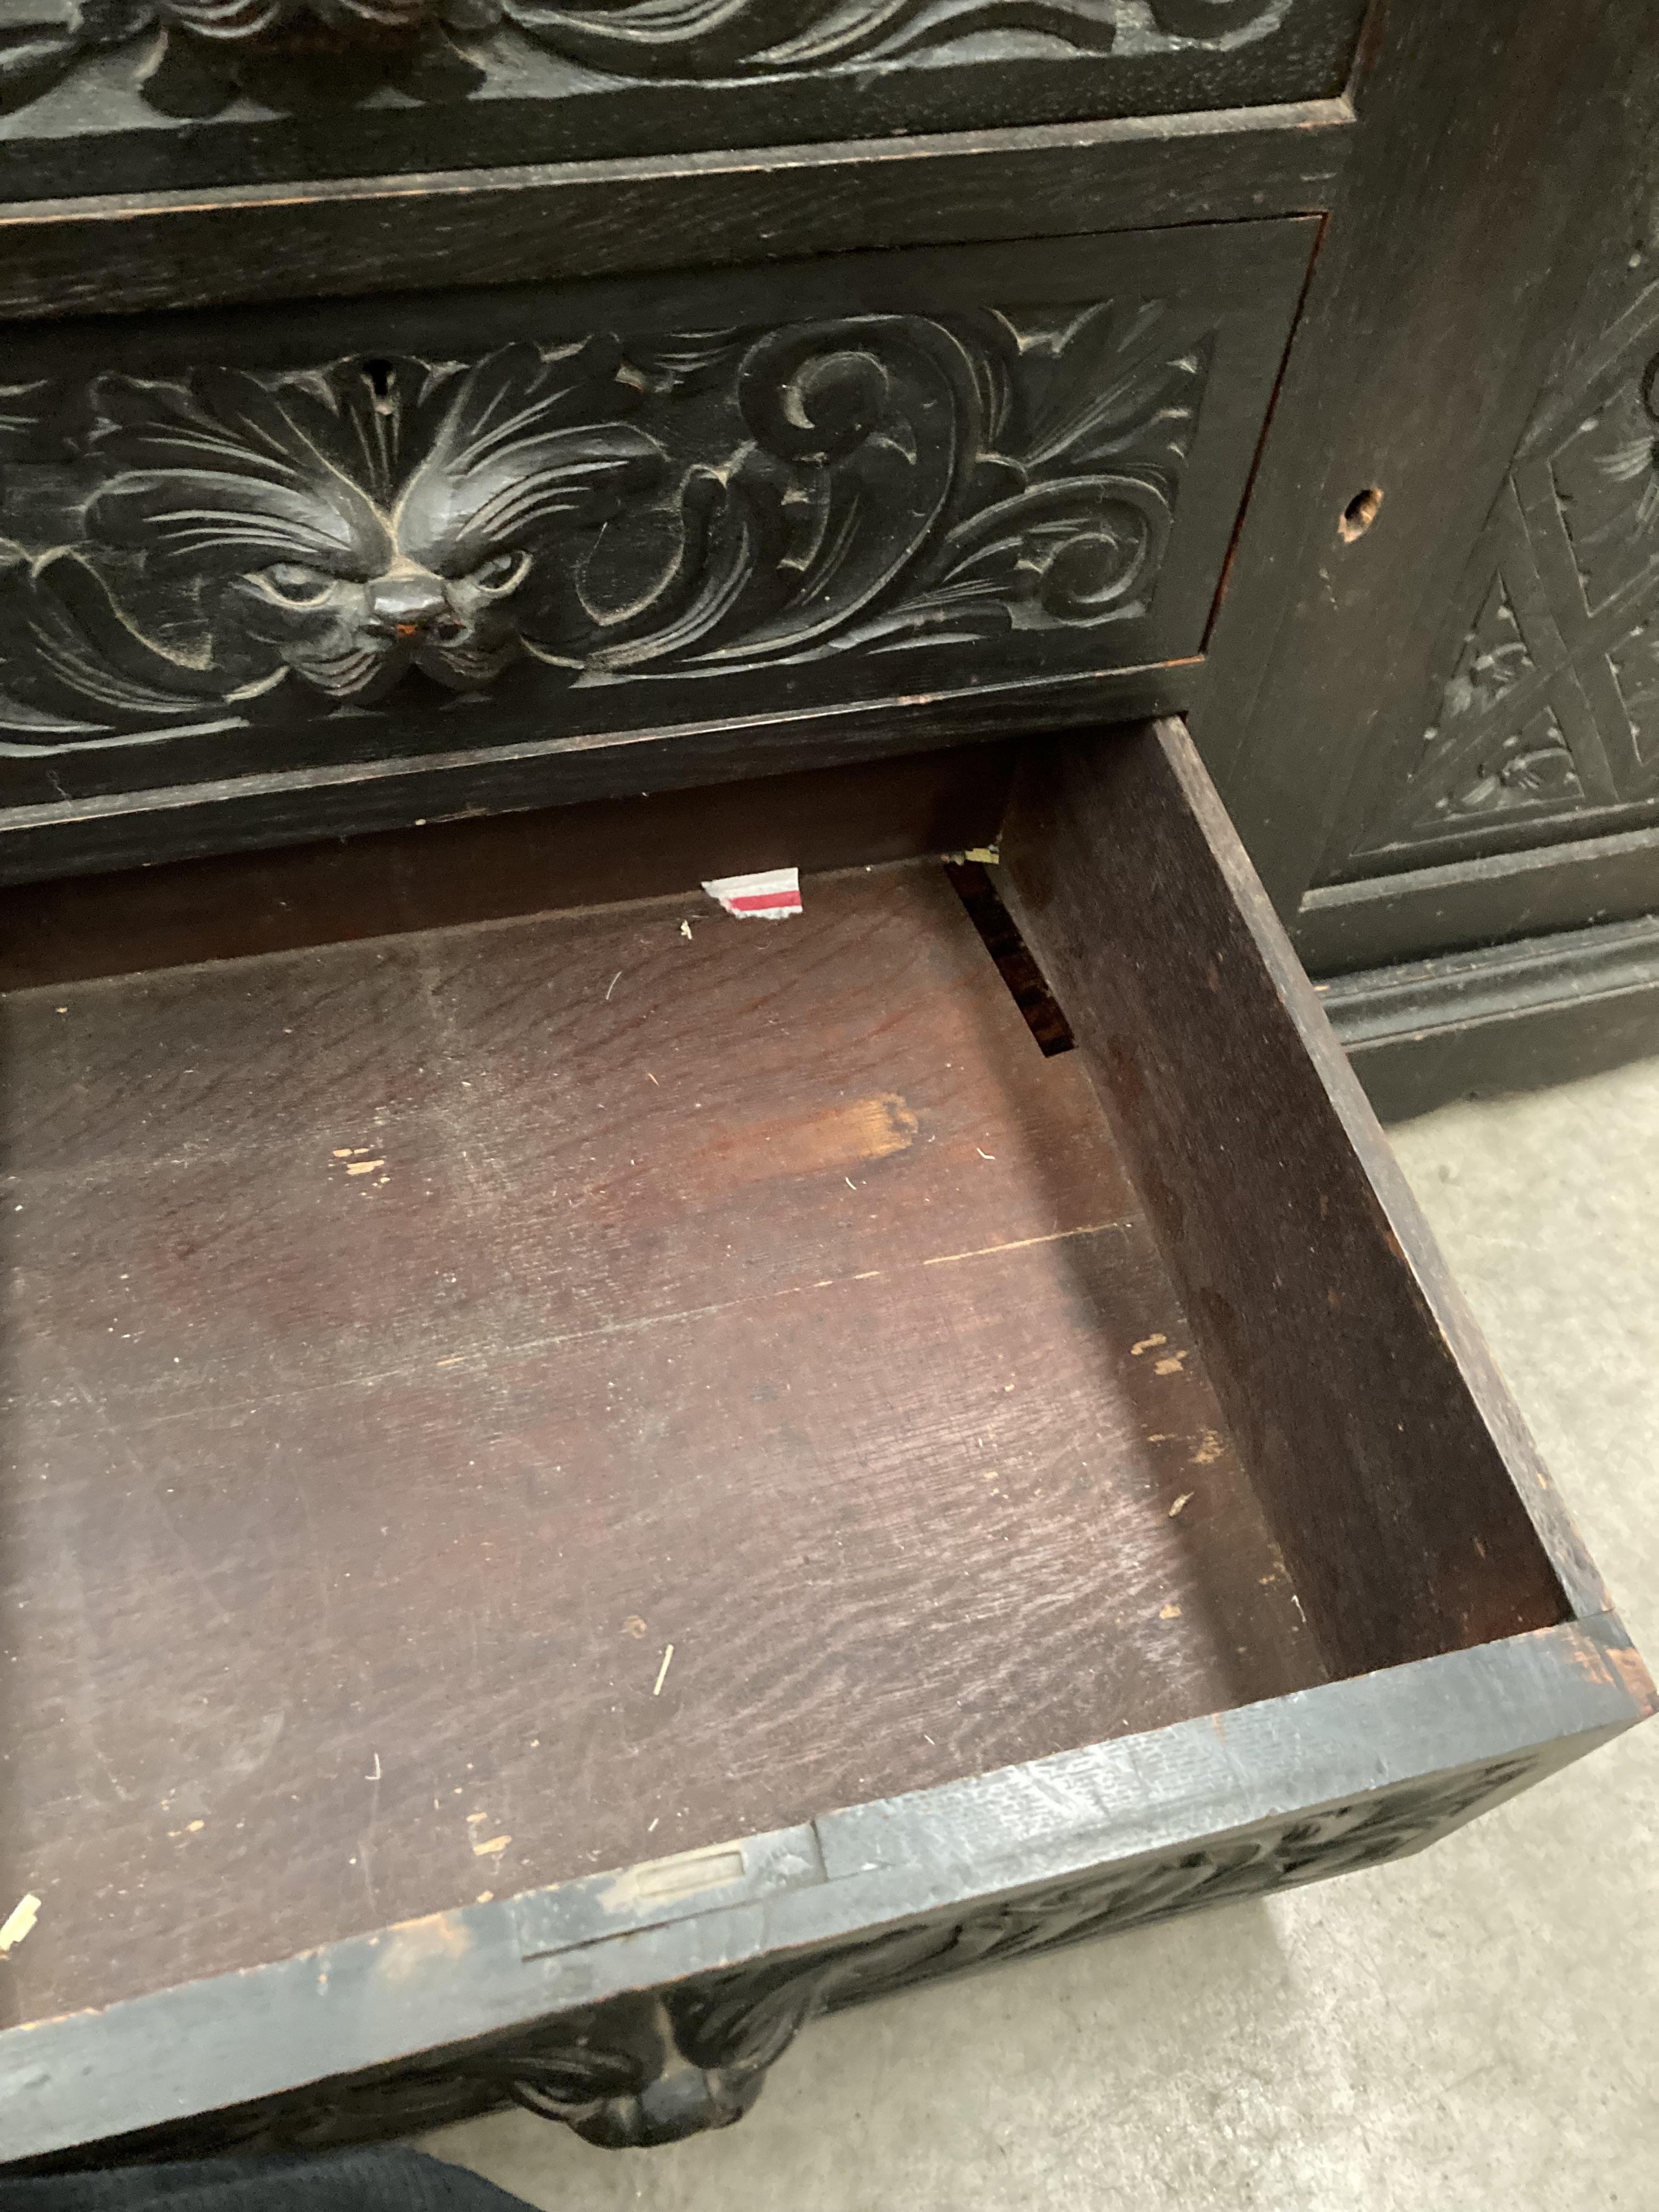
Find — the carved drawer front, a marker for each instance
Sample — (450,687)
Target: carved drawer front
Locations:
(109,95)
(275,575)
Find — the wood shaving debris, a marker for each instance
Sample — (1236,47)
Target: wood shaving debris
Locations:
(662,1671)
(1147,1344)
(633,1625)
(343,1151)
(1209,1451)
(364,1167)
(849,1183)
(1168,1612)
(615,979)
(492,1849)
(685,929)
(26,1911)
(472,1818)
(486,1896)
(1170,1366)
(1181,1504)
(983,1154)
(652,1078)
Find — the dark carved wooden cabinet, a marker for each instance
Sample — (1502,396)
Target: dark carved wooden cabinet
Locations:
(584,1479)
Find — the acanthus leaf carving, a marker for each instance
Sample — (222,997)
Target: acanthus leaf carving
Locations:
(1532,766)
(658,2066)
(604,510)
(1550,709)
(196,56)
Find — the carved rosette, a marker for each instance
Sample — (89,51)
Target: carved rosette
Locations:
(197,56)
(605,511)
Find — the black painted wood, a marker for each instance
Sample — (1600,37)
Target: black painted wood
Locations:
(125,95)
(1489,155)
(1507,1017)
(637,2022)
(1463,904)
(328,569)
(564,220)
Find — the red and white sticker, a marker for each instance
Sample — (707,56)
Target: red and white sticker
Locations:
(772,896)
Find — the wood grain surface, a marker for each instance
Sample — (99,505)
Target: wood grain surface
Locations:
(766,1294)
(551,223)
(229,906)
(1395,1466)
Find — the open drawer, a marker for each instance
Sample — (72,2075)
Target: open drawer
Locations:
(582,1485)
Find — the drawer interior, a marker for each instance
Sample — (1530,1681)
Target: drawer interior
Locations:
(408,1338)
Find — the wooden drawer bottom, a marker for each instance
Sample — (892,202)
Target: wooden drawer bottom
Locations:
(497,1404)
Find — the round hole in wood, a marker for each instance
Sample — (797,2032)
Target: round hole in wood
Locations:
(1359,513)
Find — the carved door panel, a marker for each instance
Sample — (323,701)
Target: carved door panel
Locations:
(112,96)
(270,576)
(1433,690)
(1540,720)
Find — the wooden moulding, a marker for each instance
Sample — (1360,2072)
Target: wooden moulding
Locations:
(1507,1017)
(554,221)
(1464,1645)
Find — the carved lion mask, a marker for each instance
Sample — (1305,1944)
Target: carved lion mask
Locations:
(355,523)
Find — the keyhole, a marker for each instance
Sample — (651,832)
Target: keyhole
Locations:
(1359,513)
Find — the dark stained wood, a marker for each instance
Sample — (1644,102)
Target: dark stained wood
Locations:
(1507,1017)
(122,830)
(484,869)
(1021,472)
(1459,906)
(767,1294)
(549,223)
(633,89)
(1394,1468)
(1491,146)
(430,2021)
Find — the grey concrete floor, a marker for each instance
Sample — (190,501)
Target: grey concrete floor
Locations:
(1477,2027)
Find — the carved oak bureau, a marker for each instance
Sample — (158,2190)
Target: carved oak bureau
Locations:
(584,1479)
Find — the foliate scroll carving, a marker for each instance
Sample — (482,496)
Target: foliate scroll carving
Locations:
(1549,709)
(606,510)
(659,2067)
(195,56)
